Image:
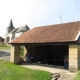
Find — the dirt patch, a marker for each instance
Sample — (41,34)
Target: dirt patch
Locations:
(68,75)
(63,76)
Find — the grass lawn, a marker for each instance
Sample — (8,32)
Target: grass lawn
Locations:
(9,71)
(5,47)
(78,76)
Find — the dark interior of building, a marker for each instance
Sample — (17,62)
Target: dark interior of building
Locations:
(50,54)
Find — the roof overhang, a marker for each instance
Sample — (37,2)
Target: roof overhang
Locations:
(77,36)
(52,43)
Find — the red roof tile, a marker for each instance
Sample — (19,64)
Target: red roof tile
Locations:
(66,32)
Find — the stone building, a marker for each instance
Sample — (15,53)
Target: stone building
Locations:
(50,44)
(12,32)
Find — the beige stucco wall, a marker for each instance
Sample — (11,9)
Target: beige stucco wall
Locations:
(18,34)
(15,54)
(74,57)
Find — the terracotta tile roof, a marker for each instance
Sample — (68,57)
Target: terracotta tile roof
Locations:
(65,32)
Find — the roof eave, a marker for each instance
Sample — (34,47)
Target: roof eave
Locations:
(49,43)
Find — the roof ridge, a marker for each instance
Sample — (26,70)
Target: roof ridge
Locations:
(56,24)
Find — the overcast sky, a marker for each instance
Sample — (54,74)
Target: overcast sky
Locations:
(37,12)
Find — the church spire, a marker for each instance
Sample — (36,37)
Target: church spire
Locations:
(11,24)
(10,27)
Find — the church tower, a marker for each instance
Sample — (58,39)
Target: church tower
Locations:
(10,28)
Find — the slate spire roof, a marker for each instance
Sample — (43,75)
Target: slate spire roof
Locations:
(19,29)
(11,24)
(66,32)
(23,28)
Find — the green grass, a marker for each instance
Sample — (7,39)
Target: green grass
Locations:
(77,76)
(21,50)
(5,47)
(9,71)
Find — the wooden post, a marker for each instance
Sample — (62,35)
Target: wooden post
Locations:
(54,61)
(15,54)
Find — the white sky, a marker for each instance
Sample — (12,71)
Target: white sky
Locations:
(37,12)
